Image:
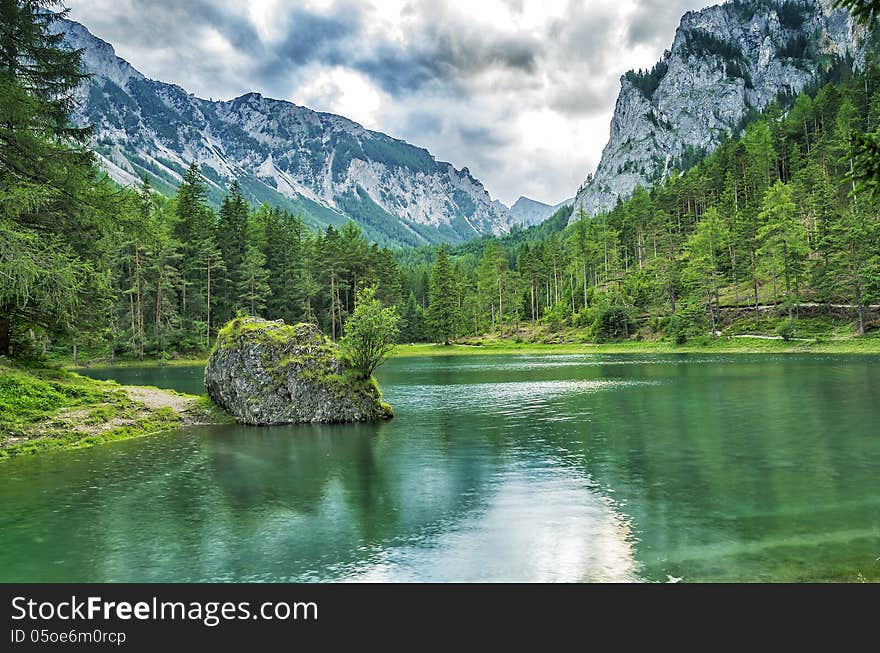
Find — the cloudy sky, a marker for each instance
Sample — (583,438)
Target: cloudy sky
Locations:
(519,91)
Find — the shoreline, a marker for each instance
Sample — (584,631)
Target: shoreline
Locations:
(739,344)
(49,408)
(88,412)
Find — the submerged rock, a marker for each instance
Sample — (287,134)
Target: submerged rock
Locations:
(271,373)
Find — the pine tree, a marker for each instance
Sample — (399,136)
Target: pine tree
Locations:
(232,225)
(201,259)
(162,281)
(782,236)
(412,321)
(253,284)
(442,300)
(52,214)
(492,275)
(702,271)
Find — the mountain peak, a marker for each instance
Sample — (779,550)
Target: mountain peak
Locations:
(323,166)
(726,62)
(98,56)
(526,211)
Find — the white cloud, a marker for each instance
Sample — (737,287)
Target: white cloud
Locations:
(344,92)
(519,91)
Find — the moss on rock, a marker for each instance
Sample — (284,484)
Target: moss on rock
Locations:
(267,372)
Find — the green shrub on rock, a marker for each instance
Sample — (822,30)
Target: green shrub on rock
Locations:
(370,333)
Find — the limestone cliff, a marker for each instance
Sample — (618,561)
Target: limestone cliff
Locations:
(726,62)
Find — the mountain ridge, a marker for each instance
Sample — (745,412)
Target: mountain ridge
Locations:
(526,212)
(726,62)
(326,167)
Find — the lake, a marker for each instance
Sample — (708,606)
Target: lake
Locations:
(495,468)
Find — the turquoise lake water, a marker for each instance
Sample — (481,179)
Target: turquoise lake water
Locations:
(495,468)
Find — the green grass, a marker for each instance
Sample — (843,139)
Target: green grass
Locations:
(44,407)
(722,345)
(211,413)
(31,393)
(161,420)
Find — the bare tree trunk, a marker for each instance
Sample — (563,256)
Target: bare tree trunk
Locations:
(208,328)
(339,308)
(755,288)
(158,310)
(5,333)
(139,303)
(787,277)
(332,305)
(532,289)
(500,308)
(711,312)
(516,306)
(132,319)
(585,282)
(775,294)
(857,286)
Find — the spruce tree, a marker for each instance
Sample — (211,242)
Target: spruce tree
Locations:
(200,258)
(253,284)
(232,224)
(442,302)
(52,214)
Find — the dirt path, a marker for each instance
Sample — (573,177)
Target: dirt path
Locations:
(184,405)
(749,335)
(156,398)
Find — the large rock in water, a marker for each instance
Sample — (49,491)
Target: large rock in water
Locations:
(271,373)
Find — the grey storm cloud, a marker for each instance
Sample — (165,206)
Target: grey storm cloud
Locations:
(482,135)
(310,37)
(444,48)
(443,58)
(507,96)
(654,21)
(166,23)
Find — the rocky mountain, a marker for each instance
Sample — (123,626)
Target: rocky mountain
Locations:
(323,166)
(526,211)
(726,62)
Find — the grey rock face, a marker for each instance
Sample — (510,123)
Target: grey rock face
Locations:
(325,167)
(725,62)
(526,211)
(266,372)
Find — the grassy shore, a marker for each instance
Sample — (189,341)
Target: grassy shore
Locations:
(574,344)
(48,406)
(44,407)
(721,345)
(822,332)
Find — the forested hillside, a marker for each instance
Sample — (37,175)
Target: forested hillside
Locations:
(126,271)
(780,223)
(773,218)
